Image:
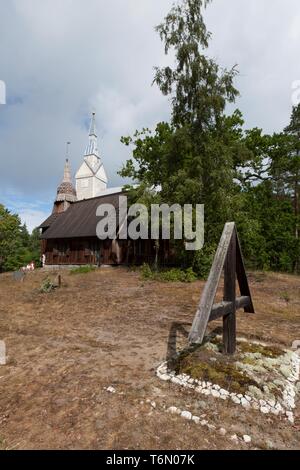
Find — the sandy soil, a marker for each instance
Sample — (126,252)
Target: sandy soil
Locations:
(110,328)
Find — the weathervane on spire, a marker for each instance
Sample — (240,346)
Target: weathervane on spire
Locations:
(67,151)
(93,131)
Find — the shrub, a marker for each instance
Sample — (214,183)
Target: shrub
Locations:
(285,262)
(168,275)
(171,275)
(146,271)
(203,260)
(47,286)
(82,270)
(190,275)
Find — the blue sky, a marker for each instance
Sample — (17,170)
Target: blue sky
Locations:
(61,59)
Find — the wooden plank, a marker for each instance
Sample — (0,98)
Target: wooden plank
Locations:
(219,310)
(229,320)
(206,303)
(224,308)
(242,276)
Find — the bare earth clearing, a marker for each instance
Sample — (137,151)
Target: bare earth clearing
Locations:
(110,328)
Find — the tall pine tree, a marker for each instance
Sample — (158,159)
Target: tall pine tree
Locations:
(193,157)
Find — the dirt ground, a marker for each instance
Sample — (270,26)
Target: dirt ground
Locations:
(110,328)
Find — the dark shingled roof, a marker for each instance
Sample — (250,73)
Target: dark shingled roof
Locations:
(49,220)
(80,218)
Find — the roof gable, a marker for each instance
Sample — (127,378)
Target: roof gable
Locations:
(84,171)
(80,219)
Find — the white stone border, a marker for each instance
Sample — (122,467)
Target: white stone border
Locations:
(204,423)
(248,402)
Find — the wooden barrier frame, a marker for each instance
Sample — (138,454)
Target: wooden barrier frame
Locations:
(228,256)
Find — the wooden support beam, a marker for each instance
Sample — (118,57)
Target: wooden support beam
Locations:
(228,256)
(224,308)
(229,320)
(206,303)
(242,277)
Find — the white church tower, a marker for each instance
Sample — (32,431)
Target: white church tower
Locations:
(91,177)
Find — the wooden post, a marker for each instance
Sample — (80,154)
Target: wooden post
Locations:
(242,277)
(229,321)
(228,256)
(202,316)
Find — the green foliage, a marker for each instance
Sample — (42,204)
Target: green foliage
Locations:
(267,216)
(204,156)
(168,275)
(192,159)
(198,87)
(203,260)
(146,271)
(270,181)
(177,275)
(82,270)
(34,247)
(47,286)
(190,276)
(285,296)
(17,246)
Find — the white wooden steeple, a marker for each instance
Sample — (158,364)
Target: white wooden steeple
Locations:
(91,177)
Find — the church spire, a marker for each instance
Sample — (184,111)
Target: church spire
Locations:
(91,178)
(66,193)
(67,169)
(92,147)
(93,131)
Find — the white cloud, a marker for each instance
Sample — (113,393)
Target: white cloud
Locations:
(294,32)
(31,213)
(32,218)
(61,59)
(260,37)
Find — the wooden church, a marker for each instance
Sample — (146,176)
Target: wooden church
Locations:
(69,234)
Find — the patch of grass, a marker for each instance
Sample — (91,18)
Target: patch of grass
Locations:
(249,361)
(168,275)
(209,365)
(178,275)
(83,270)
(285,296)
(146,271)
(217,342)
(226,375)
(267,351)
(245,347)
(47,286)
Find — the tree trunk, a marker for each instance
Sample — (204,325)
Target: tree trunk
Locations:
(156,255)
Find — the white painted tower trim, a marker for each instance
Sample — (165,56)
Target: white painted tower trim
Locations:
(91,179)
